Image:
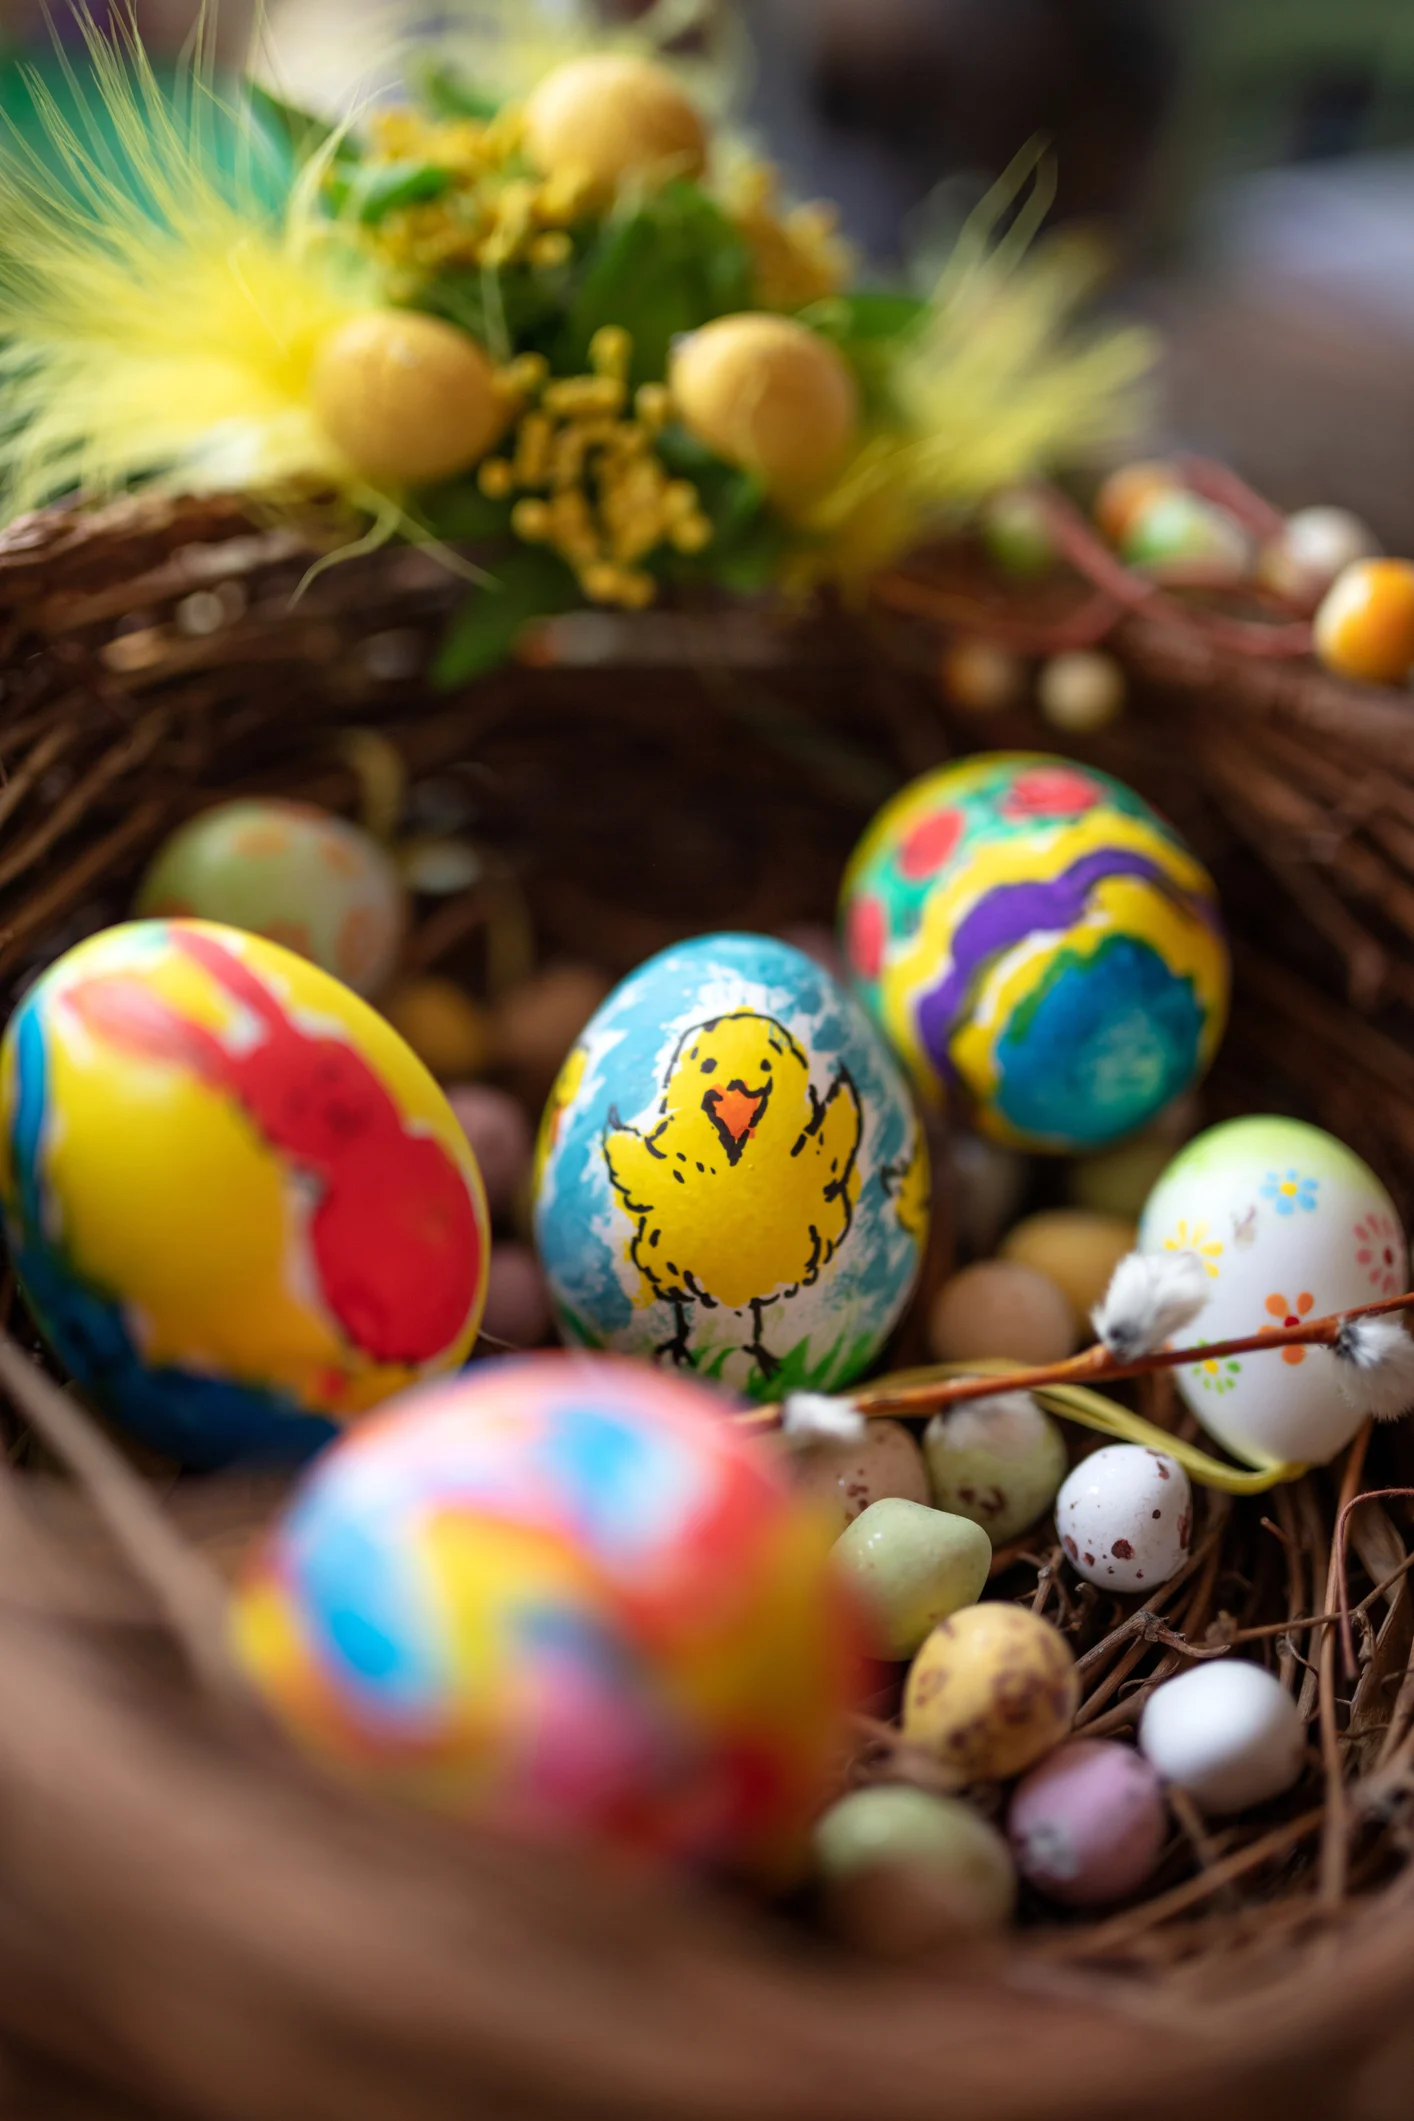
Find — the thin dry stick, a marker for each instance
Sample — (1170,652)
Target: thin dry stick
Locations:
(1094,1365)
(1334,1832)
(188,1593)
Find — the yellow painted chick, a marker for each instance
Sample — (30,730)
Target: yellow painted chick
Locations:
(908,1184)
(746,1184)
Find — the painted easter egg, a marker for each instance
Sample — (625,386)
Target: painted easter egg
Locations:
(289,872)
(562,1594)
(730,1176)
(1290,1224)
(240,1208)
(1035,940)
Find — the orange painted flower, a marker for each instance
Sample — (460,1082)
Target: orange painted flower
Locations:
(1282,1311)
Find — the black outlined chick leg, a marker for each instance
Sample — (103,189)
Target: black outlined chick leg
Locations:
(766,1361)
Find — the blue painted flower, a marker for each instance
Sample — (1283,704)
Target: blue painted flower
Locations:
(1287,1192)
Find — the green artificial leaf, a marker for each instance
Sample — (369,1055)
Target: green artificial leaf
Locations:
(374,189)
(530,584)
(518,308)
(867,314)
(449,94)
(672,265)
(461,514)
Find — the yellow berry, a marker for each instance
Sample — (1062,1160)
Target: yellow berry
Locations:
(527,372)
(691,534)
(533,449)
(1365,626)
(495,478)
(1126,491)
(600,583)
(611,115)
(654,404)
(610,350)
(531,520)
(636,590)
(767,393)
(551,249)
(406,398)
(679,500)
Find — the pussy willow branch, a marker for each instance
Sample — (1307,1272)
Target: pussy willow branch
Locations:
(1091,1366)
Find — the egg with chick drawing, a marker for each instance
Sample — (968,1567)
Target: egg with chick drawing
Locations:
(730,1176)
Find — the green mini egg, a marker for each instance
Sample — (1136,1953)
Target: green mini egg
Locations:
(999,1461)
(912,1567)
(292,873)
(908,1870)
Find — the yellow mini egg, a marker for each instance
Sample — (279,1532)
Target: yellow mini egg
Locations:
(292,873)
(1075,1249)
(407,398)
(992,1690)
(446,1029)
(771,395)
(1081,691)
(1365,626)
(612,115)
(240,1208)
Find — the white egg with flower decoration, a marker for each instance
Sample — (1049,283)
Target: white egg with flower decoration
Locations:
(1289,1225)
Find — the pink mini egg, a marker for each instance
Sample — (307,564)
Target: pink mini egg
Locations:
(1088,1825)
(517,1306)
(499,1132)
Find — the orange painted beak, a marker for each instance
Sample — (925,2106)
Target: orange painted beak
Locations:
(735,1110)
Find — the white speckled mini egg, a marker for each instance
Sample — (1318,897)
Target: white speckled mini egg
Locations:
(1227,1732)
(1124,1516)
(1290,1224)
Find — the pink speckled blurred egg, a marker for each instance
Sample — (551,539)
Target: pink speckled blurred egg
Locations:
(1088,1825)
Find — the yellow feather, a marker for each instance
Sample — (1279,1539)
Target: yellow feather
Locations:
(996,383)
(157,322)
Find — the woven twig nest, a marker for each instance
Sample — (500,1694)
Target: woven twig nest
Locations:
(194,1924)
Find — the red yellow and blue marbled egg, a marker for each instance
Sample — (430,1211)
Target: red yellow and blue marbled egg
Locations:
(240,1208)
(562,1595)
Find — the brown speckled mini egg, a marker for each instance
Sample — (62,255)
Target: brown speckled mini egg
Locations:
(884,1461)
(992,1690)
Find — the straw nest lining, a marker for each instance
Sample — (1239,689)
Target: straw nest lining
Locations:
(190,1923)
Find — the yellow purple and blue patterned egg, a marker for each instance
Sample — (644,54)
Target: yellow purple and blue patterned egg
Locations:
(1035,941)
(241,1210)
(293,873)
(730,1175)
(562,1595)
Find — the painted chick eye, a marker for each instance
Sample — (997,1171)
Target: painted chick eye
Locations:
(766,1065)
(709,1067)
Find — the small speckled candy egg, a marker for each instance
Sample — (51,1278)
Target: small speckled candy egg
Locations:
(1311,549)
(1182,528)
(240,1207)
(292,873)
(911,1567)
(992,1690)
(1088,1825)
(562,1595)
(730,1176)
(998,1461)
(1124,1516)
(996,1307)
(1081,691)
(884,1461)
(517,1306)
(1227,1732)
(957,1866)
(495,1124)
(446,1029)
(1037,944)
(1290,1224)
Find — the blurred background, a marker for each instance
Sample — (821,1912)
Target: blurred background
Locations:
(1251,163)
